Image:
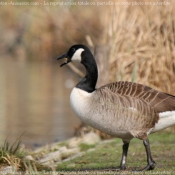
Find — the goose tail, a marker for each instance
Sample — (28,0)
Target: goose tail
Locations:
(166,119)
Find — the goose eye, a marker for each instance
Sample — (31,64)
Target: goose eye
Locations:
(73,49)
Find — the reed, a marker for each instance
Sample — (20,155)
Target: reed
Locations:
(43,32)
(141,38)
(142,42)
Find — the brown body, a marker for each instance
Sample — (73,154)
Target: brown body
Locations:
(141,104)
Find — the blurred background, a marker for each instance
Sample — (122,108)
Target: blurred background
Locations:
(131,42)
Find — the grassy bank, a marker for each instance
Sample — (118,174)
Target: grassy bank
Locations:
(108,154)
(102,157)
(15,156)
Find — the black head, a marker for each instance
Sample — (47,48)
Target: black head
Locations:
(83,55)
(75,53)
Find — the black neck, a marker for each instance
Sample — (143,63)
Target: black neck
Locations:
(88,83)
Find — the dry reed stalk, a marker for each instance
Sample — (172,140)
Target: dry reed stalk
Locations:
(143,36)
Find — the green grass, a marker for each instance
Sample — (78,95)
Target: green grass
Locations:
(85,147)
(14,155)
(108,155)
(9,154)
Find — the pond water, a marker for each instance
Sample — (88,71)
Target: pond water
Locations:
(34,102)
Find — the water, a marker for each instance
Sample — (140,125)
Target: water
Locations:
(34,102)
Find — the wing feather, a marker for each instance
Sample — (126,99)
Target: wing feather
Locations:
(160,101)
(138,104)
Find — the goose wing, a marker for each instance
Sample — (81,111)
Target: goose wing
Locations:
(136,106)
(161,102)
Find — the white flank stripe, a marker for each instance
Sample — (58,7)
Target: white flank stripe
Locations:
(166,114)
(166,120)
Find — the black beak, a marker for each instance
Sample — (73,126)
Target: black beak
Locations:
(64,56)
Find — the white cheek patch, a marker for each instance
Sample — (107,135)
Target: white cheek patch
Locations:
(77,55)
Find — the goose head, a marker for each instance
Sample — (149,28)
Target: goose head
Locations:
(78,52)
(83,55)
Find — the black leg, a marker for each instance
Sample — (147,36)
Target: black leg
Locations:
(124,155)
(150,161)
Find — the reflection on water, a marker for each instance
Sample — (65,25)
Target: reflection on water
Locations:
(34,101)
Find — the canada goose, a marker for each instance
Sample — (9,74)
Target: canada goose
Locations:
(122,109)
